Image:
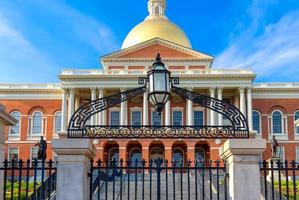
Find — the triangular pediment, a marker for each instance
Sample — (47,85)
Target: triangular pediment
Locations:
(150,48)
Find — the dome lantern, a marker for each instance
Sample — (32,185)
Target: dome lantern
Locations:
(156,8)
(156,25)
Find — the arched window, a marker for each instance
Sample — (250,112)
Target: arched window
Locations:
(114,156)
(277,123)
(256,121)
(135,155)
(178,156)
(296,117)
(15,130)
(200,154)
(57,119)
(37,123)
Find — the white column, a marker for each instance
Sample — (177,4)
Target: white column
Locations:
(242,101)
(93,97)
(167,114)
(219,96)
(145,109)
(64,111)
(243,156)
(123,112)
(73,167)
(71,103)
(189,111)
(101,115)
(249,108)
(212,113)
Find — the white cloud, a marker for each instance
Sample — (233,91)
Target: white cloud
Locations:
(23,60)
(273,54)
(18,57)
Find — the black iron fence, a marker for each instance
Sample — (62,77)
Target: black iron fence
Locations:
(158,179)
(32,180)
(279,180)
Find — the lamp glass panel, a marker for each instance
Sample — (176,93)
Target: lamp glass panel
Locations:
(159,82)
(151,82)
(160,98)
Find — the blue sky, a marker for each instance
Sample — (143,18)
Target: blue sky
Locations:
(39,38)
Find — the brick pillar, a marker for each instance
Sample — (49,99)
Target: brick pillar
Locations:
(191,155)
(123,153)
(214,153)
(145,155)
(168,154)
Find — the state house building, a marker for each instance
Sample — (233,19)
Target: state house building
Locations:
(44,109)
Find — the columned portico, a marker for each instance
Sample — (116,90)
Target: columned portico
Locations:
(145,109)
(93,97)
(71,104)
(212,113)
(219,96)
(64,111)
(242,100)
(249,108)
(102,115)
(123,111)
(167,114)
(189,111)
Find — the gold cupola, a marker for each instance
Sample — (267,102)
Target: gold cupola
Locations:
(156,25)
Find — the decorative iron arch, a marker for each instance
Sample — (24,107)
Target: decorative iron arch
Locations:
(79,129)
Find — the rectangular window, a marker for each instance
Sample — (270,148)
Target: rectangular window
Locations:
(198,118)
(297,154)
(34,153)
(177,118)
(256,121)
(114,118)
(13,153)
(280,153)
(156,119)
(57,123)
(136,118)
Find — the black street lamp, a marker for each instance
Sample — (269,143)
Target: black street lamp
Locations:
(159,85)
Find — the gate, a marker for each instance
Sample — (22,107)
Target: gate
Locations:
(279,180)
(158,179)
(30,180)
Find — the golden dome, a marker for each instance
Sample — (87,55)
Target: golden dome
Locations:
(156,25)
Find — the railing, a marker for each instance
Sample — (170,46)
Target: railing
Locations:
(158,179)
(279,180)
(30,180)
(73,72)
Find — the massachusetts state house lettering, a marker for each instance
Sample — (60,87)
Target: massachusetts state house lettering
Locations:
(160,132)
